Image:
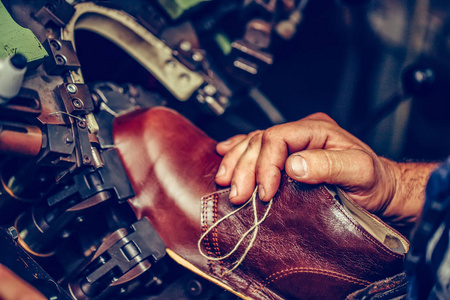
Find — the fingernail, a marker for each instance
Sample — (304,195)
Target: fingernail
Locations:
(298,166)
(221,171)
(261,192)
(226,142)
(233,192)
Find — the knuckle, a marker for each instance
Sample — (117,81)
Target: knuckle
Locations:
(236,138)
(270,134)
(254,133)
(321,120)
(321,116)
(254,142)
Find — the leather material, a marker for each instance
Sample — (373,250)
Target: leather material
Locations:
(309,247)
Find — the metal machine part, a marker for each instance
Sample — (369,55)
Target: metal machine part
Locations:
(64,191)
(15,258)
(124,256)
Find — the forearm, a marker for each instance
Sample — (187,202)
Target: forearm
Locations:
(411,179)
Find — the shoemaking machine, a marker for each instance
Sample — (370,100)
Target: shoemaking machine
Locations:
(66,225)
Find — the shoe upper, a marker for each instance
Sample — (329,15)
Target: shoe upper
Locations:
(308,246)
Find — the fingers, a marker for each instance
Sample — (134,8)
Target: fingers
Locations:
(243,181)
(13,287)
(237,168)
(259,157)
(223,147)
(346,168)
(233,149)
(271,161)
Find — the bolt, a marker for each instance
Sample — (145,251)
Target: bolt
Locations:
(194,287)
(200,98)
(185,46)
(210,90)
(81,124)
(197,56)
(69,139)
(60,60)
(422,76)
(72,88)
(42,178)
(55,44)
(86,159)
(102,260)
(419,76)
(77,103)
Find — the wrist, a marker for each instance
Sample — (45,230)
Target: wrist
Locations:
(409,183)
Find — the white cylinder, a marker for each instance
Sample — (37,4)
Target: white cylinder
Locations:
(12,70)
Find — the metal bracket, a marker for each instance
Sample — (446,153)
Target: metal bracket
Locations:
(62,57)
(124,255)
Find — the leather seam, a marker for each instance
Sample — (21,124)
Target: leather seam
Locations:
(357,226)
(206,242)
(208,196)
(278,275)
(215,236)
(212,245)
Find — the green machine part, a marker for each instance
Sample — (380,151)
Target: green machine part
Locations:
(176,8)
(16,39)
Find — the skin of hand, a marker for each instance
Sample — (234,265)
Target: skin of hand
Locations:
(316,150)
(12,287)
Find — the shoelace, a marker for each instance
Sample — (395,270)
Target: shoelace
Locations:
(253,229)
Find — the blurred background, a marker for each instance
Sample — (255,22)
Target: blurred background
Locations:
(364,63)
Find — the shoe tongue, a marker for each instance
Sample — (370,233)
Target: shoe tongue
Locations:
(372,224)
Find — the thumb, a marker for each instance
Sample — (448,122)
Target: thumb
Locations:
(346,168)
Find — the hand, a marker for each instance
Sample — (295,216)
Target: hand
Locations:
(316,150)
(12,287)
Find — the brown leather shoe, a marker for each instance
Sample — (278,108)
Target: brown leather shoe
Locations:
(314,243)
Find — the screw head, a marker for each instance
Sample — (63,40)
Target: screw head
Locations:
(210,90)
(77,103)
(60,60)
(69,139)
(72,88)
(194,287)
(185,46)
(197,56)
(55,44)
